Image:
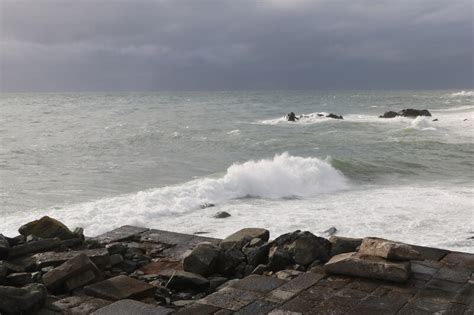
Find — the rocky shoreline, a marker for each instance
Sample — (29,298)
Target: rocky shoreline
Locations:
(49,269)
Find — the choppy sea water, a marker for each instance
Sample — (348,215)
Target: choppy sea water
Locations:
(102,160)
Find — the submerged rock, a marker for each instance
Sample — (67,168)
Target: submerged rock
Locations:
(334,116)
(222,215)
(207,205)
(291,117)
(409,112)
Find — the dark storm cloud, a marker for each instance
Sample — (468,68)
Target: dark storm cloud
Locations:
(156,45)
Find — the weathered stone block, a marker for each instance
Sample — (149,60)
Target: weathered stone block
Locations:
(301,282)
(69,271)
(119,288)
(355,264)
(239,238)
(34,247)
(22,300)
(123,233)
(259,307)
(230,298)
(198,308)
(23,278)
(99,256)
(340,245)
(185,280)
(380,247)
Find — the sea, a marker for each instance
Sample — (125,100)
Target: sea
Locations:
(103,160)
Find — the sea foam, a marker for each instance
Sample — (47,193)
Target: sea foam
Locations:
(462,94)
(283,176)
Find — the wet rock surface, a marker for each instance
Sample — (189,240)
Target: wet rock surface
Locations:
(409,112)
(145,271)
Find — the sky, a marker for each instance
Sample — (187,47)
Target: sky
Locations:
(138,45)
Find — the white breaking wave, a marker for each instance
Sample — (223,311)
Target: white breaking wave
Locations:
(306,119)
(283,176)
(462,94)
(422,123)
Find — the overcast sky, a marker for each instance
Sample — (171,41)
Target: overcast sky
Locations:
(108,45)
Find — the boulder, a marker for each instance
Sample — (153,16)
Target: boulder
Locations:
(389,114)
(410,112)
(279,259)
(257,255)
(34,247)
(202,259)
(387,249)
(99,256)
(240,238)
(4,247)
(341,244)
(47,227)
(74,273)
(372,267)
(229,260)
(334,116)
(222,215)
(308,248)
(119,288)
(22,300)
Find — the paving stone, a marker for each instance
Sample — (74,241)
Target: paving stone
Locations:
(230,298)
(364,285)
(198,308)
(223,312)
(429,306)
(465,295)
(335,282)
(423,269)
(453,274)
(279,296)
(318,293)
(407,310)
(351,293)
(301,282)
(258,307)
(444,285)
(89,306)
(337,305)
(123,233)
(259,283)
(298,304)
(385,303)
(463,260)
(99,256)
(283,312)
(429,253)
(120,287)
(125,307)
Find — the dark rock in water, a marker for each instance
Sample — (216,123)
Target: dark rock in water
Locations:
(343,244)
(35,247)
(465,119)
(222,215)
(410,112)
(47,227)
(240,238)
(202,259)
(436,119)
(4,247)
(207,205)
(291,117)
(334,116)
(279,259)
(331,231)
(22,300)
(389,114)
(320,115)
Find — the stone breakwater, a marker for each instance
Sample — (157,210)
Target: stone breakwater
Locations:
(49,269)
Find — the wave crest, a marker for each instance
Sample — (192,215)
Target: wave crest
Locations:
(462,94)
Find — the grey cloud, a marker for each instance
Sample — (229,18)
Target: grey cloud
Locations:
(153,45)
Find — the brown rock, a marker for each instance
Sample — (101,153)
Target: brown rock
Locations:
(99,256)
(119,288)
(47,227)
(387,249)
(74,273)
(356,264)
(239,238)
